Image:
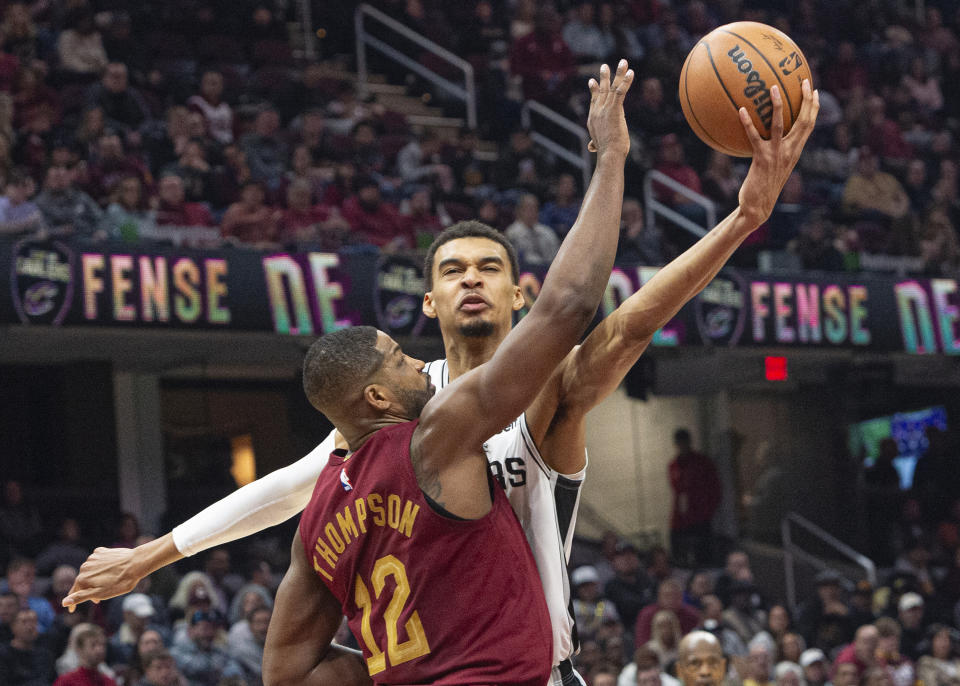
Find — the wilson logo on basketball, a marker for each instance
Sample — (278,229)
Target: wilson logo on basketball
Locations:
(756,88)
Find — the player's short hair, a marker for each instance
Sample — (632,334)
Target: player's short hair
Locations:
(469,229)
(88,632)
(337,363)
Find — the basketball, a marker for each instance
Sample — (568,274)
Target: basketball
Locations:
(735,66)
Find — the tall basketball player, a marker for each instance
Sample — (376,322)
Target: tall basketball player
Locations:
(541,457)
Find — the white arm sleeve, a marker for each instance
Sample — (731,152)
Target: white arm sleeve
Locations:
(263,503)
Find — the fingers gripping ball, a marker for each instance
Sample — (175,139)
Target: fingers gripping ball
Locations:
(734,66)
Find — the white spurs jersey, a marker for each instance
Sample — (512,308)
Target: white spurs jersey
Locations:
(545,503)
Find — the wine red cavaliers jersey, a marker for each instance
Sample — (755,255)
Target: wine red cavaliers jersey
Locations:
(432,599)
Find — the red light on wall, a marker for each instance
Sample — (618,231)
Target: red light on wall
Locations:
(775,368)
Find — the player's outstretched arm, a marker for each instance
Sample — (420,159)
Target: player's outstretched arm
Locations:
(306,616)
(596,368)
(482,402)
(268,501)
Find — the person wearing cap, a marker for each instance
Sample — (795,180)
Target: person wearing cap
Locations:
(824,619)
(138,611)
(630,589)
(788,673)
(202,662)
(910,609)
(940,663)
(590,609)
(815,667)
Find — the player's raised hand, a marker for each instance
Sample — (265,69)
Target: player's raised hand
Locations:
(107,573)
(605,121)
(774,159)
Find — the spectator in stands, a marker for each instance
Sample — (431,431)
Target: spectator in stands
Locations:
(759,662)
(862,653)
(312,133)
(823,620)
(699,584)
(61,580)
(149,642)
(22,661)
(665,635)
(671,162)
(924,88)
(126,216)
(653,114)
(620,31)
(543,60)
(470,172)
(312,91)
(737,569)
(561,212)
(889,654)
(374,221)
(172,208)
(250,221)
(266,152)
(639,244)
(778,621)
(419,161)
(20,33)
(845,674)
(160,669)
(939,245)
(111,164)
(202,662)
(534,242)
(658,565)
(939,665)
(17,214)
(590,608)
(138,611)
(209,102)
(883,499)
(917,185)
(790,647)
(20,524)
(721,183)
(816,668)
(91,649)
(196,172)
(419,211)
(714,623)
(80,46)
(669,597)
(345,111)
(231,177)
(831,163)
(630,589)
(365,151)
(788,673)
(304,221)
(910,612)
(645,670)
(217,566)
(122,105)
(303,168)
(65,550)
(815,245)
(914,560)
(871,194)
(9,605)
(741,616)
(885,134)
(21,576)
(247,639)
(583,36)
(696,495)
(522,166)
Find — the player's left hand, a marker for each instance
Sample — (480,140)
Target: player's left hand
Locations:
(774,159)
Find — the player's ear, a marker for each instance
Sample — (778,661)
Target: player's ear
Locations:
(428,307)
(518,300)
(375,396)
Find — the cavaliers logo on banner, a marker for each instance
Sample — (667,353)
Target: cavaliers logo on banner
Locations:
(42,281)
(398,296)
(721,309)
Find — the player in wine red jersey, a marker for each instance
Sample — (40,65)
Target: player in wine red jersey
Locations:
(408,533)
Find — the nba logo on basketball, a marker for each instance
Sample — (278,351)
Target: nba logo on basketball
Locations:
(345,480)
(42,281)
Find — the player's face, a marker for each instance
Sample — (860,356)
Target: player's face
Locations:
(404,376)
(473,292)
(704,665)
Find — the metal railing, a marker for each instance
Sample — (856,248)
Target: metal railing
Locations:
(792,551)
(655,207)
(579,159)
(467,92)
(306,25)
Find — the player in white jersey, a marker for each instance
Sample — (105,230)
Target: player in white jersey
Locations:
(472,289)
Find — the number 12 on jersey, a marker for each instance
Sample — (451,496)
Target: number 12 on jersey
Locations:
(416,644)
